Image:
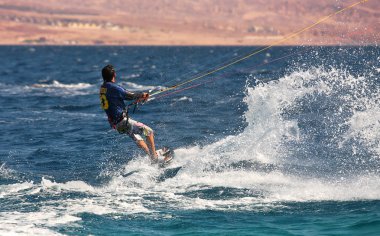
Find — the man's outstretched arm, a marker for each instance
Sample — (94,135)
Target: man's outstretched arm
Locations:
(134,96)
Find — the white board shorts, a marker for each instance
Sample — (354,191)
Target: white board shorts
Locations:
(134,129)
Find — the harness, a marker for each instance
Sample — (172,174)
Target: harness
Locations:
(124,114)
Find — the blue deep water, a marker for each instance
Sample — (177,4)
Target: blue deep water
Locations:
(283,143)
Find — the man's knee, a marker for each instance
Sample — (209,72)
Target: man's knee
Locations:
(148,131)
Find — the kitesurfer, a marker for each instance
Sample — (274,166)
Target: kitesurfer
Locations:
(112,98)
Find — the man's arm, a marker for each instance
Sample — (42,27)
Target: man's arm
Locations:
(126,95)
(135,96)
(132,96)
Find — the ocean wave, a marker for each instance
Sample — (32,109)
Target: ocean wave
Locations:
(181,99)
(56,88)
(15,189)
(57,84)
(50,210)
(7,173)
(131,76)
(53,88)
(364,126)
(137,87)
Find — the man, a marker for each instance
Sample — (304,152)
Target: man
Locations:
(112,99)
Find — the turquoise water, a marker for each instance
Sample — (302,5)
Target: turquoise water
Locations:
(284,143)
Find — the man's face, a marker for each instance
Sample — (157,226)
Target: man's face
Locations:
(114,78)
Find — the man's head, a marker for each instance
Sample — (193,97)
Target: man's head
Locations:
(108,73)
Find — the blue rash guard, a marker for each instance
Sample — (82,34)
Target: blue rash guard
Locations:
(112,99)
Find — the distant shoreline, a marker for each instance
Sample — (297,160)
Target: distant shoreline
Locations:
(192,45)
(188,23)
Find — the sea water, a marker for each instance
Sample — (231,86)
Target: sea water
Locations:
(283,143)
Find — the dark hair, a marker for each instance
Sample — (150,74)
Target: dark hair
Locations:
(108,73)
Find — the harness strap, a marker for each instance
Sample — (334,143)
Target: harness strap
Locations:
(124,114)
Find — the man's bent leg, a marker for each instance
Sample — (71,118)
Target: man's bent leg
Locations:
(136,130)
(141,144)
(150,141)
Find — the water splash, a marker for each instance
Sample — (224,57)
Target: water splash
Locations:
(302,131)
(310,136)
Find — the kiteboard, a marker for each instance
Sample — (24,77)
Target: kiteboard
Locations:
(165,162)
(167,168)
(165,156)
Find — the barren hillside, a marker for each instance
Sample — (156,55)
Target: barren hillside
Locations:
(185,22)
